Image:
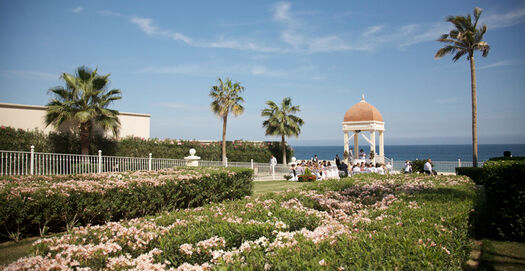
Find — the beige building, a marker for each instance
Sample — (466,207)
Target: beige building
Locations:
(30,117)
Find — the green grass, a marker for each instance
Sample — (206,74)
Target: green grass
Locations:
(263,187)
(499,255)
(11,251)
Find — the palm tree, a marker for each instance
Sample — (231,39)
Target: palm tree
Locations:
(226,99)
(84,102)
(282,121)
(464,39)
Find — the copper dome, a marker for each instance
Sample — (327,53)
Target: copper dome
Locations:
(362,111)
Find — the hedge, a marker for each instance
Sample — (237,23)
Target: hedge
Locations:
(239,150)
(30,205)
(398,222)
(475,173)
(505,189)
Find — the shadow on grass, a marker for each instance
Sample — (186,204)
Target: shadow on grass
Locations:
(11,251)
(501,255)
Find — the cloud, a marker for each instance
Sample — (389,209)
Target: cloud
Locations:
(147,26)
(502,64)
(282,12)
(372,30)
(262,70)
(33,75)
(504,20)
(78,9)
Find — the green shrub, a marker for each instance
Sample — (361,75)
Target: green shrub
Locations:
(517,158)
(419,165)
(475,173)
(237,151)
(29,203)
(366,222)
(307,176)
(505,188)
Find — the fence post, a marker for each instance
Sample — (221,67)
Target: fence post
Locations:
(32,162)
(149,162)
(99,161)
(251,163)
(459,162)
(226,165)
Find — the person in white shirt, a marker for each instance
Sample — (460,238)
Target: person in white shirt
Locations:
(408,167)
(427,168)
(273,163)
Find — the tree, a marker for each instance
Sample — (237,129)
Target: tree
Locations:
(226,99)
(84,103)
(282,121)
(464,40)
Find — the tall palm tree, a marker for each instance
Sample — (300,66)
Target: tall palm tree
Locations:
(226,99)
(282,121)
(465,39)
(84,102)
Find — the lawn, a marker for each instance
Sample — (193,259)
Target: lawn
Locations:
(262,187)
(498,255)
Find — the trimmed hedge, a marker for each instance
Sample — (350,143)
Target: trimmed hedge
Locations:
(31,204)
(505,188)
(516,158)
(475,173)
(237,151)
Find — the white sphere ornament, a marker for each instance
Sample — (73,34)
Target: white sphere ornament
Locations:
(293,159)
(192,152)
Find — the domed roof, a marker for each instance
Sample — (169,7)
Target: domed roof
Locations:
(362,111)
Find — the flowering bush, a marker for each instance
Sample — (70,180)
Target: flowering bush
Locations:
(32,204)
(360,223)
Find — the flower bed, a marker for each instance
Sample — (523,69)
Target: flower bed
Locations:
(34,204)
(368,222)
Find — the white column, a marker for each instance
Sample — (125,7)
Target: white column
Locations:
(32,163)
(356,145)
(99,161)
(381,146)
(346,141)
(149,162)
(373,144)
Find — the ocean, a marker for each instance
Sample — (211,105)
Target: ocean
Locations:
(412,152)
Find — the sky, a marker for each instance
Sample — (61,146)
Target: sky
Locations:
(166,55)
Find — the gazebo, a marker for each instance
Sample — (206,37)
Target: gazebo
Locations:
(364,117)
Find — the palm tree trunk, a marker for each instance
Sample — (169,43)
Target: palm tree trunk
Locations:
(283,147)
(224,121)
(474,113)
(84,138)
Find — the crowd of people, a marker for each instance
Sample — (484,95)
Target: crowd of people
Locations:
(326,170)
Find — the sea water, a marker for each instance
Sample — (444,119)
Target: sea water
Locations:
(412,152)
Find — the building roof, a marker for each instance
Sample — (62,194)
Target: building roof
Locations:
(362,111)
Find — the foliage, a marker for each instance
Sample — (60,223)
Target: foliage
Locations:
(515,158)
(281,121)
(401,222)
(83,103)
(307,176)
(238,151)
(419,165)
(226,99)
(475,173)
(505,187)
(28,203)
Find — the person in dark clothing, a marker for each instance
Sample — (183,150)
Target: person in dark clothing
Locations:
(344,169)
(338,161)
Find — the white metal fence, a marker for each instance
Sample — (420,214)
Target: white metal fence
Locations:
(36,163)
